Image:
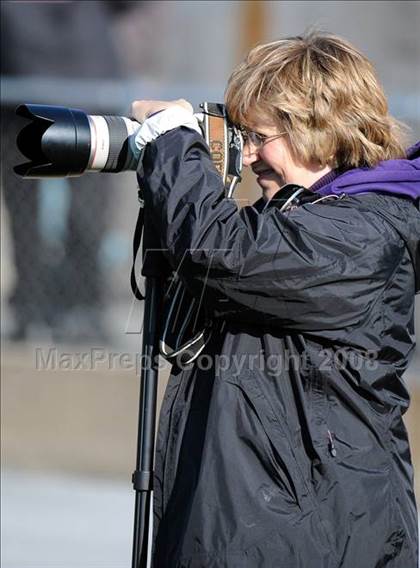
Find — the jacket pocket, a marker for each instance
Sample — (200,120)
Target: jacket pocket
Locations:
(284,454)
(270,440)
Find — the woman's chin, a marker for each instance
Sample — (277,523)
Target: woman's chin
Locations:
(270,184)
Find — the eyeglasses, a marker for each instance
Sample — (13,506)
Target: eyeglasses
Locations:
(258,140)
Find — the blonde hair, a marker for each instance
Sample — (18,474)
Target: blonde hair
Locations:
(324,94)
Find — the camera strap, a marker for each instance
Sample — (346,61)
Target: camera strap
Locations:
(138,233)
(186,329)
(225,144)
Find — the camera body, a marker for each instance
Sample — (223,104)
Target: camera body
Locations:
(65,142)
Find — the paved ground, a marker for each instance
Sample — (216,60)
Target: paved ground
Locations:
(58,521)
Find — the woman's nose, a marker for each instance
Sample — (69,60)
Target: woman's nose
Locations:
(250,154)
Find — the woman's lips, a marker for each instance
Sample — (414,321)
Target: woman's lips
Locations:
(262,171)
(266,174)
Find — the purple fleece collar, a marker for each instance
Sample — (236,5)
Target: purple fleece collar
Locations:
(398,177)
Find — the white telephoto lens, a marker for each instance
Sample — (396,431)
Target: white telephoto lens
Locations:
(99,150)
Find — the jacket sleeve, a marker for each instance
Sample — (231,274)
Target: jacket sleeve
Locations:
(318,267)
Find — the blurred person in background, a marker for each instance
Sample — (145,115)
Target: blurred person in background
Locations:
(58,287)
(293,453)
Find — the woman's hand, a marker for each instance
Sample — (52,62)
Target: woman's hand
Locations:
(140,110)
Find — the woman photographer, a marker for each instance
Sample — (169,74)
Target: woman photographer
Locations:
(293,453)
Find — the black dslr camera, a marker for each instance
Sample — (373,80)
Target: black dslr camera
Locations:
(64,142)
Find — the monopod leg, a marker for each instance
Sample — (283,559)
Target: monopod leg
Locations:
(143,476)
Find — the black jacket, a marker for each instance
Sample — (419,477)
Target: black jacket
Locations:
(286,448)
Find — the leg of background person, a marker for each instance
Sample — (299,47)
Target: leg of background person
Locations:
(29,299)
(83,283)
